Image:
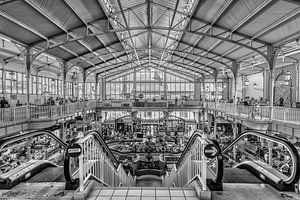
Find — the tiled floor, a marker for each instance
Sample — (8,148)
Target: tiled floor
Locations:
(142,193)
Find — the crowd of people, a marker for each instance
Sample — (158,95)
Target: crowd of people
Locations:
(59,101)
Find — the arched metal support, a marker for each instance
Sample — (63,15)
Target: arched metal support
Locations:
(272,53)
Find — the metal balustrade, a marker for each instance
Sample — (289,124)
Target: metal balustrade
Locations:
(193,163)
(17,115)
(259,113)
(12,116)
(94,163)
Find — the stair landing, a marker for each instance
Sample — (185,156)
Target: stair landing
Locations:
(142,193)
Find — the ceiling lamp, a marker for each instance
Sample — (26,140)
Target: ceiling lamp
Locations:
(287,78)
(255,85)
(246,82)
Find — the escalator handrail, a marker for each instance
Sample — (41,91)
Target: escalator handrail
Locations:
(293,151)
(73,183)
(6,140)
(195,135)
(96,134)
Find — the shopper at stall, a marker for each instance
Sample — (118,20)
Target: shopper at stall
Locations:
(4,103)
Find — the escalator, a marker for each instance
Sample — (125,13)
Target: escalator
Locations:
(31,157)
(193,165)
(97,163)
(257,158)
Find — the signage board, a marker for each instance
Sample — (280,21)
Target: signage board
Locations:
(211,151)
(74,150)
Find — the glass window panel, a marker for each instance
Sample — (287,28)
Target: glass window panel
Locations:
(24,83)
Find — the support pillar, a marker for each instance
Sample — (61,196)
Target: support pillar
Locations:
(57,85)
(298,82)
(64,76)
(271,58)
(97,87)
(28,61)
(84,95)
(134,83)
(3,76)
(272,53)
(165,84)
(235,134)
(235,67)
(103,89)
(215,74)
(266,86)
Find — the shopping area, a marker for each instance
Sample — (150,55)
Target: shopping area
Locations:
(119,99)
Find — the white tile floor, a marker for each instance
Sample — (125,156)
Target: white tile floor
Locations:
(142,193)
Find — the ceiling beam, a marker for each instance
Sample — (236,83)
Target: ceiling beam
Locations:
(283,20)
(127,27)
(169,31)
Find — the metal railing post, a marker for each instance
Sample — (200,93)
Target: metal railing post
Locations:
(204,168)
(81,184)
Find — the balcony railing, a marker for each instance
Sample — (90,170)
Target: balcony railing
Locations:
(150,103)
(17,115)
(260,113)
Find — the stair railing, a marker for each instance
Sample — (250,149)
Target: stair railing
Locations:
(97,162)
(193,162)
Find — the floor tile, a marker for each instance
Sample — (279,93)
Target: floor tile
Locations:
(148,193)
(103,198)
(176,193)
(118,198)
(134,193)
(148,198)
(162,198)
(106,192)
(120,192)
(160,193)
(133,198)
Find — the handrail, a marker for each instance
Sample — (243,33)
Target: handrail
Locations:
(96,162)
(196,134)
(103,144)
(295,175)
(194,153)
(7,140)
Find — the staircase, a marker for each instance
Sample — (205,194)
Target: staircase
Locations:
(142,193)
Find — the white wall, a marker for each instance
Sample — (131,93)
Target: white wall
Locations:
(250,90)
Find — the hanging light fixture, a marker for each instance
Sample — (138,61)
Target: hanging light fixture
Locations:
(255,85)
(246,82)
(287,78)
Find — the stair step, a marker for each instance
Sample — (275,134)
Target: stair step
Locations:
(142,193)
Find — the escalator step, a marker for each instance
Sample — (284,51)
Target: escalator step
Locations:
(50,174)
(235,175)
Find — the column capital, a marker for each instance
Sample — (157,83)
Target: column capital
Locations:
(215,75)
(235,67)
(272,53)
